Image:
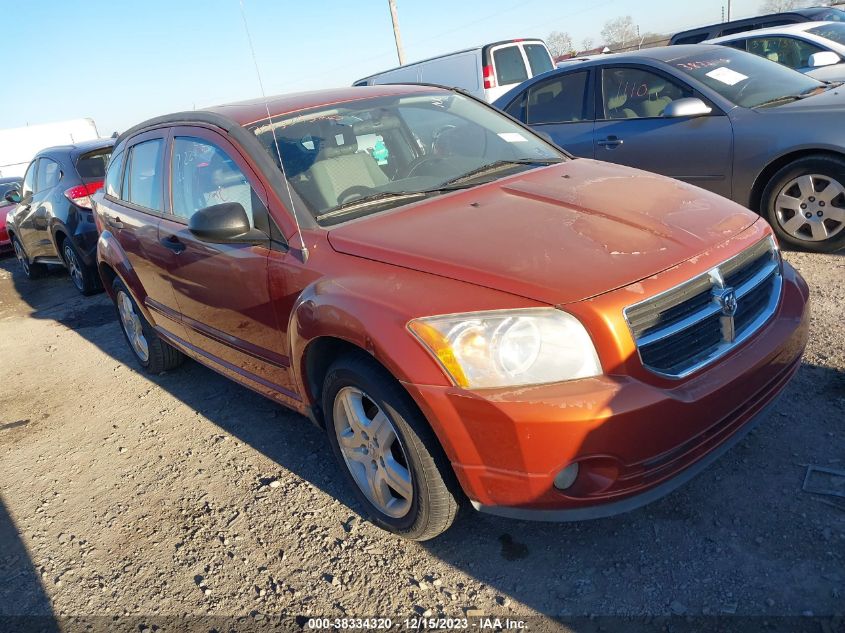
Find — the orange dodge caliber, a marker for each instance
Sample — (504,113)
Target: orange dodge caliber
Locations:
(471,314)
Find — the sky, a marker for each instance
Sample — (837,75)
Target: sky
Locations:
(123,62)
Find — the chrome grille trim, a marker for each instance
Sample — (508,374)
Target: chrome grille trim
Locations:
(701,320)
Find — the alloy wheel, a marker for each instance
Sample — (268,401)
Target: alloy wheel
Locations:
(132,325)
(811,207)
(373,452)
(74,268)
(21,257)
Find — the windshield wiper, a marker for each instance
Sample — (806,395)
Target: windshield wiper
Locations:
(370,199)
(499,164)
(809,92)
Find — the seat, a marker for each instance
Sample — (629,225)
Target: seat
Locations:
(615,109)
(656,103)
(340,165)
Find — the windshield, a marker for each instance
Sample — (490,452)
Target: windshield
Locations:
(351,159)
(833,32)
(745,79)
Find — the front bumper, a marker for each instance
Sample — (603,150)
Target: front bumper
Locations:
(635,437)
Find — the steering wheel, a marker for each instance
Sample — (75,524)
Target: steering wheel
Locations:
(355,191)
(418,162)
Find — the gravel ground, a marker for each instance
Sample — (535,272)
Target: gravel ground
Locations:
(122,494)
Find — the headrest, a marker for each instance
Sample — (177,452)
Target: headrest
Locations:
(387,122)
(614,103)
(656,88)
(340,140)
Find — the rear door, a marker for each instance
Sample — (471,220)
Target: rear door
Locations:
(630,129)
(561,107)
(222,289)
(132,208)
(510,68)
(538,57)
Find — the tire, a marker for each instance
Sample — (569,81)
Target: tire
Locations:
(155,355)
(86,280)
(433,502)
(805,204)
(32,271)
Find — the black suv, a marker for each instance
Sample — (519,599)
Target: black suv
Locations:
(53,222)
(812,14)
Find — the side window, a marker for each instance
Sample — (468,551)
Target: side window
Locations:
(510,66)
(784,50)
(517,108)
(29,180)
(203,175)
(112,185)
(49,174)
(737,44)
(636,93)
(558,100)
(142,182)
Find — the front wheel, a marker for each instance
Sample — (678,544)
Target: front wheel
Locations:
(153,353)
(387,450)
(32,271)
(805,204)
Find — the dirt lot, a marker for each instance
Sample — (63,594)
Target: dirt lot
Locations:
(122,494)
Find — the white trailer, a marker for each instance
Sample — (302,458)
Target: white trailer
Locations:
(18,145)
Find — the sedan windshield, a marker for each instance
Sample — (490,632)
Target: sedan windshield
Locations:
(834,32)
(360,157)
(745,79)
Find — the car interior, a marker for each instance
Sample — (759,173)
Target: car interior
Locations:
(631,93)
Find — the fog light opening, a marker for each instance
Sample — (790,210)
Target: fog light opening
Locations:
(567,477)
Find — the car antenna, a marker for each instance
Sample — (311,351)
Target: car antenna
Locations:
(303,248)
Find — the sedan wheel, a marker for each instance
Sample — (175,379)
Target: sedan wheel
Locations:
(22,260)
(32,271)
(74,267)
(811,207)
(132,326)
(373,452)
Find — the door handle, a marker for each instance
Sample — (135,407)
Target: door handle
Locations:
(114,222)
(610,142)
(173,243)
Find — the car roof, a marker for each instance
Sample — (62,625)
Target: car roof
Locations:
(785,29)
(75,149)
(6,181)
(656,53)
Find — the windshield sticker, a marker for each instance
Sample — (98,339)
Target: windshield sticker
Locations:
(727,76)
(512,137)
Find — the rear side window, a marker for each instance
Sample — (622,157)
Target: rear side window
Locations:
(49,174)
(696,38)
(203,175)
(113,176)
(142,183)
(92,166)
(538,59)
(558,100)
(510,67)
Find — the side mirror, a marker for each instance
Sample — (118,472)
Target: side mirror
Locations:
(690,107)
(825,58)
(13,196)
(225,223)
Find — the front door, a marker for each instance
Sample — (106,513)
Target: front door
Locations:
(633,131)
(222,289)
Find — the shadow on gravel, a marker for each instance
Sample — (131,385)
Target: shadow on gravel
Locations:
(24,605)
(741,538)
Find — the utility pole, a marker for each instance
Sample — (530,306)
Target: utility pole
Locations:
(396,34)
(729,10)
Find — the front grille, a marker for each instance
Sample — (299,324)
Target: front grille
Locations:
(691,325)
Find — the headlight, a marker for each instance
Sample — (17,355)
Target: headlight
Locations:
(506,348)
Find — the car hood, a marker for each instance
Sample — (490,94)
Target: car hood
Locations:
(829,101)
(555,235)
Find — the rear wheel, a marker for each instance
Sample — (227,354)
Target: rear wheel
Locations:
(32,271)
(805,204)
(85,279)
(387,451)
(153,353)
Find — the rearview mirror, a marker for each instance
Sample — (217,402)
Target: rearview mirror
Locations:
(13,196)
(689,107)
(824,58)
(225,223)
